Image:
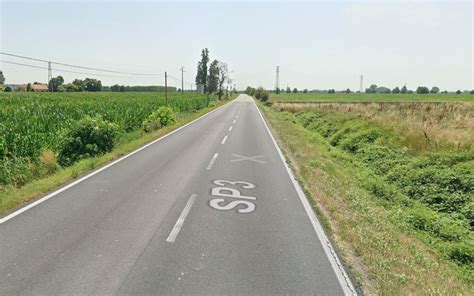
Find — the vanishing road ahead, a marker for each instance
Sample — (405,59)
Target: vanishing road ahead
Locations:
(209,209)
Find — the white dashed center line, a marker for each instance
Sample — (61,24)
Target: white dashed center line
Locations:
(177,227)
(230,128)
(223,140)
(211,163)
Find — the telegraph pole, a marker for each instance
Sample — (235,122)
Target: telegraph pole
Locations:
(182,80)
(50,77)
(361,87)
(166,88)
(277,80)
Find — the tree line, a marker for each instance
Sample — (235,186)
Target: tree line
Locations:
(374,89)
(213,76)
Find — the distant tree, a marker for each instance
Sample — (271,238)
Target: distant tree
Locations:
(61,88)
(115,88)
(372,89)
(28,87)
(288,90)
(295,90)
(404,90)
(91,84)
(55,82)
(422,90)
(458,92)
(409,91)
(201,76)
(348,91)
(383,90)
(213,78)
(331,91)
(305,91)
(223,74)
(8,88)
(71,87)
(396,90)
(79,83)
(277,91)
(472,92)
(434,90)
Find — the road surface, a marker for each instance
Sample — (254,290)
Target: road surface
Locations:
(208,209)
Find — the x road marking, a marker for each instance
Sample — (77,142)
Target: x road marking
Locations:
(249,158)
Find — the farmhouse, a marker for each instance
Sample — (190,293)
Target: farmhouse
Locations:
(39,87)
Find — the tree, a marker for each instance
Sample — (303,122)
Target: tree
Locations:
(115,88)
(458,92)
(55,82)
(305,91)
(288,90)
(331,91)
(8,88)
(223,75)
(404,90)
(434,90)
(277,91)
(348,91)
(295,90)
(28,87)
(71,87)
(79,83)
(201,76)
(472,92)
(372,89)
(422,90)
(91,84)
(213,78)
(396,90)
(383,90)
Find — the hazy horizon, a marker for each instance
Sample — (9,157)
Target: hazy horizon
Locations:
(318,45)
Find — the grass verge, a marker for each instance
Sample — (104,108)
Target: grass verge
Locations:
(12,197)
(372,236)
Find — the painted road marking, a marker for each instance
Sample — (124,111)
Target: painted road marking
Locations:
(211,163)
(234,121)
(45,198)
(240,200)
(177,227)
(223,140)
(249,158)
(230,128)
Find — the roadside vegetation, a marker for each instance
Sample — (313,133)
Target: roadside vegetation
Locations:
(394,183)
(302,97)
(45,134)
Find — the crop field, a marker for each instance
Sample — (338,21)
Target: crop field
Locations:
(31,124)
(365,97)
(411,163)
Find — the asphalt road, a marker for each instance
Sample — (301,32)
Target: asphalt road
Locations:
(209,209)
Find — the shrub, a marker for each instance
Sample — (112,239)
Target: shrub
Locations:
(48,161)
(87,137)
(162,117)
(16,171)
(261,94)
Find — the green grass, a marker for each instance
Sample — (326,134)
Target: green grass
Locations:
(401,215)
(12,197)
(364,97)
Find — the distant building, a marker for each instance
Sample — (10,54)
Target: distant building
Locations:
(2,78)
(39,87)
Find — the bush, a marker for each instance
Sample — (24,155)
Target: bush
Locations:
(87,137)
(261,94)
(162,117)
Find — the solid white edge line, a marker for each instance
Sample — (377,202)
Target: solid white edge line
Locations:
(211,163)
(179,223)
(45,198)
(230,128)
(343,278)
(223,140)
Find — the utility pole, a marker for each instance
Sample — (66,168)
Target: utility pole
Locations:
(182,80)
(361,87)
(50,77)
(277,87)
(166,88)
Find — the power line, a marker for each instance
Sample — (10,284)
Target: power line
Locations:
(80,67)
(68,71)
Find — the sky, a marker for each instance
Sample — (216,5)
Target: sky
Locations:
(317,45)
